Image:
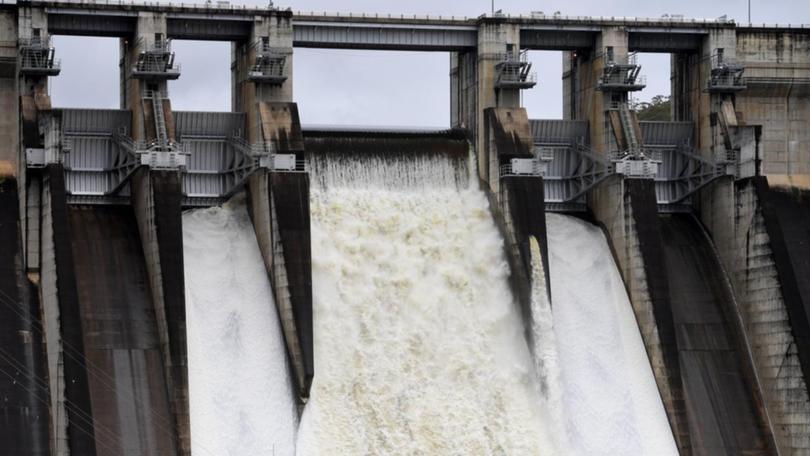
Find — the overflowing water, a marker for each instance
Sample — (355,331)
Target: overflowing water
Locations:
(418,345)
(609,400)
(546,362)
(241,398)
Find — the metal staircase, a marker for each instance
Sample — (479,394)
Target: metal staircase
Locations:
(629,128)
(160,120)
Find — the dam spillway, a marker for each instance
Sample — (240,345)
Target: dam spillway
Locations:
(417,338)
(421,274)
(607,393)
(121,345)
(721,389)
(241,393)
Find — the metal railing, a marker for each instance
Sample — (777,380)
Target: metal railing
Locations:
(721,61)
(726,74)
(547,153)
(159,94)
(35,42)
(264,47)
(268,70)
(30,62)
(149,65)
(251,150)
(155,59)
(535,16)
(514,70)
(37,56)
(623,77)
(160,46)
(727,81)
(508,76)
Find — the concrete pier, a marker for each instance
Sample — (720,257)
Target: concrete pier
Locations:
(63,325)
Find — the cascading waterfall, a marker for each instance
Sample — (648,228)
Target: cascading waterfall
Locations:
(546,362)
(419,348)
(610,401)
(241,397)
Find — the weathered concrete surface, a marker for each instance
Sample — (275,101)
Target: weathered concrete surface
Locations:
(777,72)
(723,403)
(23,379)
(473,90)
(582,100)
(749,239)
(265,225)
(156,199)
(9,97)
(80,424)
(51,324)
(148,24)
(279,208)
(246,94)
(291,229)
(128,390)
(507,135)
(786,215)
(281,126)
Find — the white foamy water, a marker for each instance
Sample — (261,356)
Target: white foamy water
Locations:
(241,399)
(610,402)
(546,362)
(419,348)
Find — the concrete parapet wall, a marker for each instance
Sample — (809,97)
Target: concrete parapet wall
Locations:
(628,212)
(156,198)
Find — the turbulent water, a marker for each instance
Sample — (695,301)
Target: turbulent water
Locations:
(240,394)
(546,362)
(418,346)
(609,400)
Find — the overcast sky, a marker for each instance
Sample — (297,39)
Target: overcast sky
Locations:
(383,88)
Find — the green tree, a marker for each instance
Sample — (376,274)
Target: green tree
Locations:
(659,108)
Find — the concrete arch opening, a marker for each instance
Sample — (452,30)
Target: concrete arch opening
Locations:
(654,101)
(544,101)
(372,88)
(205,81)
(89,75)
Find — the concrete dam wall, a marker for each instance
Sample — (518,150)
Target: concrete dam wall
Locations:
(128,391)
(23,383)
(723,404)
(230,283)
(128,394)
